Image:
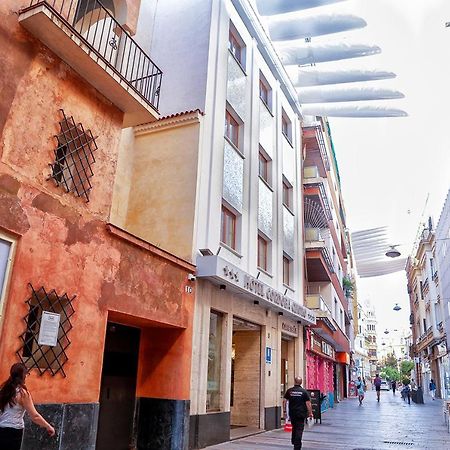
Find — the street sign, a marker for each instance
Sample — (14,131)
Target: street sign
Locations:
(314,395)
(268,355)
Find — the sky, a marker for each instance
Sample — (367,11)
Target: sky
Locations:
(395,171)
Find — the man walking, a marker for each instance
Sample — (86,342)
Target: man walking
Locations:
(394,386)
(377,384)
(433,389)
(299,409)
(360,388)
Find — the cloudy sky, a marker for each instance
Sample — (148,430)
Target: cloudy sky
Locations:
(389,167)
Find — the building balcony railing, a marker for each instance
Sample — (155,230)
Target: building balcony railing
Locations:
(316,303)
(317,132)
(312,179)
(319,245)
(85,35)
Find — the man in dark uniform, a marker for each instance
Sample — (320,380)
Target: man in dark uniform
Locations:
(299,409)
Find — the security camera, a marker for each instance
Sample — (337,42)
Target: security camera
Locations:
(191,277)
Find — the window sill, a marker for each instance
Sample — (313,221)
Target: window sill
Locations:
(289,209)
(289,140)
(260,269)
(230,249)
(234,147)
(266,106)
(266,183)
(238,62)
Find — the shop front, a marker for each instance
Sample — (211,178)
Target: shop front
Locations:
(320,357)
(247,348)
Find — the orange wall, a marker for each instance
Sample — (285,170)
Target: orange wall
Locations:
(62,241)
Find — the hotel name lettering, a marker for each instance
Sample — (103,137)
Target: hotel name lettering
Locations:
(261,290)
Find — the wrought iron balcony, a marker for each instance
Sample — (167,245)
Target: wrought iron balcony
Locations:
(85,35)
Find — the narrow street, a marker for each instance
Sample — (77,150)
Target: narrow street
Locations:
(391,424)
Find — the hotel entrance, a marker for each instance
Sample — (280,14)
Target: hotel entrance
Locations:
(287,364)
(245,398)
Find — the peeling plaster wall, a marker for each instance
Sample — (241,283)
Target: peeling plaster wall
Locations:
(63,242)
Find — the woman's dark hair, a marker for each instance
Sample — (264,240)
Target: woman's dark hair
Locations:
(8,390)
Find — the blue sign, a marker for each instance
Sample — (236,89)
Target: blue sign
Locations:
(268,355)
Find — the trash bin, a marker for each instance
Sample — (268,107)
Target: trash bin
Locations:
(417,395)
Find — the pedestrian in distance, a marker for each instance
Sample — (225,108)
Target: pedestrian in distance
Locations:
(360,388)
(406,393)
(394,386)
(15,400)
(300,408)
(377,384)
(433,389)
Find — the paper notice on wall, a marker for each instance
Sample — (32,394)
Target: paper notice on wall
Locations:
(48,333)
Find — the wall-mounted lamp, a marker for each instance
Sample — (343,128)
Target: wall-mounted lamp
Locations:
(222,287)
(256,302)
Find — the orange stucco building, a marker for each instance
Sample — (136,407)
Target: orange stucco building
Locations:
(102,318)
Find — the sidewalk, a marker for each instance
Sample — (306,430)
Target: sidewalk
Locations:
(390,424)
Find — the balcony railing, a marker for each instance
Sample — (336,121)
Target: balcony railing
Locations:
(95,27)
(316,303)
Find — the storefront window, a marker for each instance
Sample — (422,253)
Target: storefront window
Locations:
(214,362)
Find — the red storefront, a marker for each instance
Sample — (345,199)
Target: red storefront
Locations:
(319,365)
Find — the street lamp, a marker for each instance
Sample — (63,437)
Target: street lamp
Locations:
(393,252)
(386,331)
(397,307)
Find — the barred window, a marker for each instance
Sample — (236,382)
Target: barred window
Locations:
(33,352)
(74,157)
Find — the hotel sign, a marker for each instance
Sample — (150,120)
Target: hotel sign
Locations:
(221,270)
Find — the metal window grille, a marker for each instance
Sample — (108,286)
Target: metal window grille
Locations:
(44,357)
(74,157)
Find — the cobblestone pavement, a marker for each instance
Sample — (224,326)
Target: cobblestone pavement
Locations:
(390,424)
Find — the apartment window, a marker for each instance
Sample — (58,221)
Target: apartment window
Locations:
(232,129)
(263,253)
(286,126)
(214,362)
(228,228)
(236,46)
(5,260)
(264,166)
(424,325)
(286,271)
(287,194)
(265,93)
(74,158)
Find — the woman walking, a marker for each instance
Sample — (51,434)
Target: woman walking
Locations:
(15,400)
(360,388)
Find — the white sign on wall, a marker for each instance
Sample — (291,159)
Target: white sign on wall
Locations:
(48,333)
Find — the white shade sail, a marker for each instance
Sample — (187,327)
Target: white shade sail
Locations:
(289,28)
(369,249)
(343,94)
(301,53)
(270,7)
(352,110)
(305,77)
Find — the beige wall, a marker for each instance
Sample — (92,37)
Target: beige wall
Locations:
(155,196)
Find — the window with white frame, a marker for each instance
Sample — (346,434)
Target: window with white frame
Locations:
(6,249)
(236,46)
(287,269)
(287,194)
(265,92)
(264,166)
(232,128)
(263,253)
(286,126)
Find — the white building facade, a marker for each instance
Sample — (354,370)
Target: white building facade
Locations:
(226,83)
